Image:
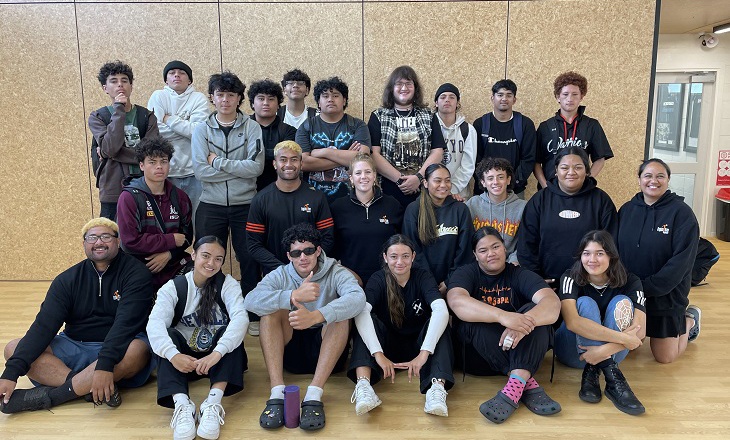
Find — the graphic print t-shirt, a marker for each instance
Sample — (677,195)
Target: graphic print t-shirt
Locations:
(509,290)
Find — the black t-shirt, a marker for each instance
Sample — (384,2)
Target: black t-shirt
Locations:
(418,294)
(437,137)
(509,290)
(569,289)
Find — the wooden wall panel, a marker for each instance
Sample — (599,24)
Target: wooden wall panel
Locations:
(44,189)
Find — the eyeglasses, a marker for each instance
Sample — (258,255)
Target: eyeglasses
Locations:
(105,238)
(296,253)
(404,84)
(296,83)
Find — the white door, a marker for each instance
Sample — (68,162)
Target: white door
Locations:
(681,132)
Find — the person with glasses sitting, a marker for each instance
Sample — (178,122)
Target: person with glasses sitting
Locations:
(103,302)
(305,309)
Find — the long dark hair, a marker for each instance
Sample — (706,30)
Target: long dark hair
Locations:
(405,73)
(427,229)
(616,272)
(208,291)
(396,306)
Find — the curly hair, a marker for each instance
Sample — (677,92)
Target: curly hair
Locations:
(570,79)
(114,68)
(296,75)
(153,146)
(333,83)
(265,87)
(403,73)
(493,163)
(301,232)
(226,82)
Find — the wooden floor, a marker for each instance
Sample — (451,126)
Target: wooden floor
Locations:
(687,399)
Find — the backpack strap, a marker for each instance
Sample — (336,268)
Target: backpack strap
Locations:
(464,127)
(181,286)
(486,123)
(143,116)
(311,112)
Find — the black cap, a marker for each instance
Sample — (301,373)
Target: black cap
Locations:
(177,65)
(447,87)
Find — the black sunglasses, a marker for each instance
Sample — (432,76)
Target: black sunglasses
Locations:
(296,253)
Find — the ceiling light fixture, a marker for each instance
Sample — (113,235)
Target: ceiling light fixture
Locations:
(721,28)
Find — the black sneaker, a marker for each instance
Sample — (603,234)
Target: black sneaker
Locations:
(114,401)
(619,392)
(694,313)
(590,387)
(31,399)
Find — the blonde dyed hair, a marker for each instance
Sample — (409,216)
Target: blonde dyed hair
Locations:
(287,145)
(101,221)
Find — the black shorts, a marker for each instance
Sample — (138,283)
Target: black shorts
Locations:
(301,354)
(665,326)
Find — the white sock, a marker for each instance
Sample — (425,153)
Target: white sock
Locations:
(215,396)
(314,393)
(277,392)
(180,399)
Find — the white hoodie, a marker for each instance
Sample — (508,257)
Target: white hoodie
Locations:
(186,111)
(459,155)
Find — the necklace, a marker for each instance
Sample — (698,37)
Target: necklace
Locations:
(600,289)
(224,124)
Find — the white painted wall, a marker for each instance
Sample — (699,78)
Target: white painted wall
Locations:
(677,53)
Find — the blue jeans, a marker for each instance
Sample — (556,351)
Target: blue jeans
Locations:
(192,188)
(567,342)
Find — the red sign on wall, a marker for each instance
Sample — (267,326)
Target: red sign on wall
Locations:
(723,168)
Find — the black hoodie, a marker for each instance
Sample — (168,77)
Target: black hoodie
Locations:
(658,243)
(360,231)
(554,222)
(452,248)
(556,133)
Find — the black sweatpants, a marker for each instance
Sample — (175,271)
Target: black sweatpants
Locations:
(404,348)
(171,381)
(484,357)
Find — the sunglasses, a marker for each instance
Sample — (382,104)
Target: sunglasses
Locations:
(296,253)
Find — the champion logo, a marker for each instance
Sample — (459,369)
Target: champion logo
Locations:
(569,214)
(306,208)
(384,220)
(663,229)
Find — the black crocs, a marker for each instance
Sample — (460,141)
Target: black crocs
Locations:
(537,401)
(273,415)
(312,415)
(498,408)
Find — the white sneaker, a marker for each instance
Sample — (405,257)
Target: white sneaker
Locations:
(436,399)
(211,419)
(364,398)
(254,328)
(183,421)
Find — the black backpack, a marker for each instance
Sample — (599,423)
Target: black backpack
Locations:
(181,286)
(97,163)
(517,126)
(707,256)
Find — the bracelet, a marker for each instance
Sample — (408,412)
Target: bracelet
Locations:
(420,177)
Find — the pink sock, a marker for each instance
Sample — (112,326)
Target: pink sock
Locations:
(531,384)
(514,387)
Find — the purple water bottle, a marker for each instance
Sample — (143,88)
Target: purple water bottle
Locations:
(291,406)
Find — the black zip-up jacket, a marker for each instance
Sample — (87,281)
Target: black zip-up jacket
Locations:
(658,243)
(361,231)
(554,222)
(111,308)
(271,135)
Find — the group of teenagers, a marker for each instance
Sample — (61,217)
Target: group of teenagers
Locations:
(413,227)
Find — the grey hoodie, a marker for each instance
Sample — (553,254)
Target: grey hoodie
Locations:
(340,297)
(231,178)
(504,217)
